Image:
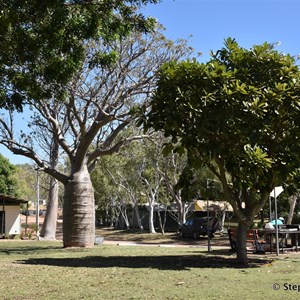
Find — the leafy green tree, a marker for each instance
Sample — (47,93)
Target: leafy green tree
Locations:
(152,180)
(8,184)
(240,110)
(172,167)
(117,187)
(43,42)
(105,193)
(26,178)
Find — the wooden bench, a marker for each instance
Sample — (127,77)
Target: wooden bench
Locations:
(257,244)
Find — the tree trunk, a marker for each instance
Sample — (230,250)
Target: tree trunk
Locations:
(182,212)
(49,226)
(138,217)
(112,220)
(221,215)
(48,231)
(151,216)
(162,224)
(124,219)
(241,244)
(79,210)
(292,202)
(223,220)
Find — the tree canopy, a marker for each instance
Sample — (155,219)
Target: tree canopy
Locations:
(8,184)
(240,110)
(43,42)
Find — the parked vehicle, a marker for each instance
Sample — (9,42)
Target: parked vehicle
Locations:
(198,226)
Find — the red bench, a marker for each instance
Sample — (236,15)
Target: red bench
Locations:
(256,244)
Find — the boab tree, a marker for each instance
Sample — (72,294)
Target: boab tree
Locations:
(50,146)
(98,105)
(241,111)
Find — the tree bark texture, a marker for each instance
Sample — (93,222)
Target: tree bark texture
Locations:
(182,211)
(151,216)
(241,244)
(292,202)
(137,215)
(79,211)
(48,231)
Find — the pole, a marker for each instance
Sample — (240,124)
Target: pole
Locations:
(208,225)
(270,207)
(277,191)
(3,218)
(37,203)
(276,225)
(208,230)
(26,220)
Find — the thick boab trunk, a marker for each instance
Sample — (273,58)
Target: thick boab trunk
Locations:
(79,211)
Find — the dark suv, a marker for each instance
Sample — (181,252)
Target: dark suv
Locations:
(198,226)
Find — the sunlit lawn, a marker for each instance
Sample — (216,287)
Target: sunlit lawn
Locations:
(44,270)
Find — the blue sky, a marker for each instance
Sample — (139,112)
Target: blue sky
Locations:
(248,21)
(211,21)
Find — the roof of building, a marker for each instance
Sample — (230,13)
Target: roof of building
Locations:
(212,205)
(10,200)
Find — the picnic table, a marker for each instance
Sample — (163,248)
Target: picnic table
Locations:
(288,237)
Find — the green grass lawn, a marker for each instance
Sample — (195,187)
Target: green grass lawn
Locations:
(44,270)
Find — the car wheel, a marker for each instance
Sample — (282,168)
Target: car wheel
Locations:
(195,235)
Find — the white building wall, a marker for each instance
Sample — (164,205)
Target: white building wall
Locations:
(12,219)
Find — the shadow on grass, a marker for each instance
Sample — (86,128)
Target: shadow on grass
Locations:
(170,262)
(30,249)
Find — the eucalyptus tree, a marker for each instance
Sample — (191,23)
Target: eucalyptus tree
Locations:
(148,177)
(290,196)
(140,169)
(240,110)
(98,106)
(292,205)
(152,180)
(133,180)
(122,188)
(163,180)
(104,192)
(171,170)
(127,177)
(26,178)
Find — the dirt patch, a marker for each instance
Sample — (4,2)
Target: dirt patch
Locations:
(114,236)
(31,226)
(169,238)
